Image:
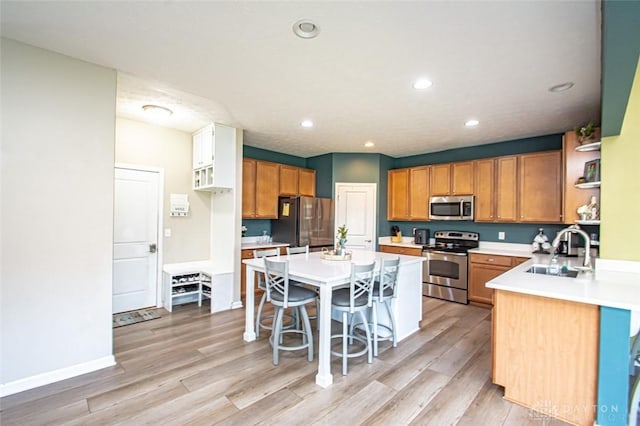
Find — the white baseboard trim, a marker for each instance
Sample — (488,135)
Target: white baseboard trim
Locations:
(42,379)
(236,305)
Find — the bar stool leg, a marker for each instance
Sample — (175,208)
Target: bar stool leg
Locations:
(345,327)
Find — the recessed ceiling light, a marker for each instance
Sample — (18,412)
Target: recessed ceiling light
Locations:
(472,123)
(369,144)
(306,123)
(306,28)
(157,111)
(422,83)
(561,87)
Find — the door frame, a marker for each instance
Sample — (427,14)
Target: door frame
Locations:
(375,210)
(160,245)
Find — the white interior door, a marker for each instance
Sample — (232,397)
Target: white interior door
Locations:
(135,239)
(356,208)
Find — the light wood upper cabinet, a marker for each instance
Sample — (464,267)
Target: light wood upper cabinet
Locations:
(573,163)
(419,193)
(452,178)
(288,180)
(441,179)
(398,194)
(248,188)
(507,189)
(259,189)
(408,194)
(485,190)
(297,181)
(307,182)
(540,187)
(496,189)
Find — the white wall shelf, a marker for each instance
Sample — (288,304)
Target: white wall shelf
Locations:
(588,222)
(588,185)
(594,146)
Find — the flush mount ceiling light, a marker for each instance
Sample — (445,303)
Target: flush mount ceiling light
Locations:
(369,144)
(307,123)
(157,111)
(472,123)
(422,83)
(561,87)
(306,28)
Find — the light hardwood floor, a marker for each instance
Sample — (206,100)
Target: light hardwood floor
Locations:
(190,367)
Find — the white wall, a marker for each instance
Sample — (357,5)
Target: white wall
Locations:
(58,119)
(145,144)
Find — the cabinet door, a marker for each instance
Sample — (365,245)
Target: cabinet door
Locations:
(485,190)
(206,147)
(267,185)
(307,182)
(540,184)
(506,189)
(479,274)
(462,178)
(288,180)
(419,193)
(197,149)
(397,196)
(440,179)
(248,188)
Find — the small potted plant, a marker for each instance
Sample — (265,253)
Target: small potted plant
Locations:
(342,239)
(586,133)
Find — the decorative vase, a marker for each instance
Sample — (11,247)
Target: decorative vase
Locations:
(341,249)
(583,216)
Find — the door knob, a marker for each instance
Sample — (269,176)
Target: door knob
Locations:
(153,248)
(367,241)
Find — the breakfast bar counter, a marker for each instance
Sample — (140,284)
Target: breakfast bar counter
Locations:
(326,275)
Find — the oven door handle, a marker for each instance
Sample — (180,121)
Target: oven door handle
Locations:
(447,253)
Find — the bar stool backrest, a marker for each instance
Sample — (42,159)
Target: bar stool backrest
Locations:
(389,277)
(361,283)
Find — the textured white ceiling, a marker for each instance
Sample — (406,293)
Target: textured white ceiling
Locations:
(239,63)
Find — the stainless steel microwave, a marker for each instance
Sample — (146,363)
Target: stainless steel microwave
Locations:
(451,208)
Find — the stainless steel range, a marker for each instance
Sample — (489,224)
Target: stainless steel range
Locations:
(445,272)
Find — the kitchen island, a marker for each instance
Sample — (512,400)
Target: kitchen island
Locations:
(327,275)
(561,344)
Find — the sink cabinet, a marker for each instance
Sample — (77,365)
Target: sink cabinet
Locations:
(483,268)
(545,354)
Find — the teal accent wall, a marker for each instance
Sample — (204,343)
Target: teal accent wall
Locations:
(613,367)
(357,168)
(275,157)
(323,165)
(518,146)
(620,52)
(256,226)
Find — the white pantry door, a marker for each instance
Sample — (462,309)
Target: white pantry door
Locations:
(135,239)
(356,208)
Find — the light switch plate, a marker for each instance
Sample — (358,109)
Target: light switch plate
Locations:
(167,232)
(501,235)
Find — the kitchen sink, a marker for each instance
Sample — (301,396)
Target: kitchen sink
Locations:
(544,270)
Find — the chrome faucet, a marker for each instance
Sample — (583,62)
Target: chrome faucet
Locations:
(586,265)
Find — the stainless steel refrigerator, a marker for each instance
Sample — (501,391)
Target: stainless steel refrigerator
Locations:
(304,220)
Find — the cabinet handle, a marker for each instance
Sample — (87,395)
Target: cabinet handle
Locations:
(491,259)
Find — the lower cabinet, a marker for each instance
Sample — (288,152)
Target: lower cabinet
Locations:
(545,355)
(408,251)
(483,268)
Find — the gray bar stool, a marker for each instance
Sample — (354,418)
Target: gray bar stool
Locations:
(257,254)
(305,250)
(384,291)
(283,295)
(349,300)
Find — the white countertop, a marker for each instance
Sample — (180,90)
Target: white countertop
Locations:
(615,284)
(255,245)
(315,269)
(503,249)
